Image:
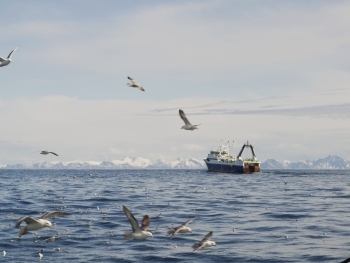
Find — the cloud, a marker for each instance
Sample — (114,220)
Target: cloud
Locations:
(86,129)
(194,147)
(180,36)
(274,73)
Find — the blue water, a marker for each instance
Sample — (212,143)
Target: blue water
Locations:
(278,216)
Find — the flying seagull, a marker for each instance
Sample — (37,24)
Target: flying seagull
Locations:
(188,125)
(36,224)
(6,61)
(180,229)
(47,152)
(134,84)
(138,232)
(204,243)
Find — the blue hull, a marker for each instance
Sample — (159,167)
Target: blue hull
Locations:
(225,168)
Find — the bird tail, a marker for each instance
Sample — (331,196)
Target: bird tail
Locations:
(127,235)
(170,232)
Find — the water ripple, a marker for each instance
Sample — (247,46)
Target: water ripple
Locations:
(274,216)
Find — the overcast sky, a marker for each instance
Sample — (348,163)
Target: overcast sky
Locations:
(275,73)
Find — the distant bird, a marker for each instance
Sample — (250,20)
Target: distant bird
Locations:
(47,152)
(134,84)
(36,224)
(41,255)
(188,125)
(4,253)
(204,243)
(138,232)
(6,61)
(180,229)
(51,239)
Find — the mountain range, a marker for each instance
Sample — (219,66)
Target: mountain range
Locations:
(125,163)
(330,162)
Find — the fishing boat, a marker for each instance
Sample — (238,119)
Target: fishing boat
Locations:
(221,161)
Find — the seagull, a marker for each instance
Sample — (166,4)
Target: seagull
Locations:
(188,125)
(41,255)
(138,232)
(204,243)
(6,61)
(134,84)
(180,229)
(47,152)
(51,239)
(36,224)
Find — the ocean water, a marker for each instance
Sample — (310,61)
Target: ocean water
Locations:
(273,216)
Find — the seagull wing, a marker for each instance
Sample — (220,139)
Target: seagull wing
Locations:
(54,153)
(176,230)
(26,219)
(207,237)
(132,81)
(9,56)
(1,59)
(146,221)
(133,222)
(53,214)
(183,117)
(140,87)
(188,221)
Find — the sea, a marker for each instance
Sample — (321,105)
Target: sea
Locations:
(272,216)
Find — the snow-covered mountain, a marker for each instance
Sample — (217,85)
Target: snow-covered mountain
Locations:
(330,162)
(125,163)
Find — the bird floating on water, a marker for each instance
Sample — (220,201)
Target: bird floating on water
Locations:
(51,239)
(47,152)
(204,243)
(6,61)
(36,224)
(188,125)
(138,232)
(180,229)
(134,84)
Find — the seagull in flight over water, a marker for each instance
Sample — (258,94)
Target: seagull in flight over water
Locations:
(36,224)
(138,232)
(47,152)
(188,125)
(134,84)
(180,229)
(204,243)
(6,61)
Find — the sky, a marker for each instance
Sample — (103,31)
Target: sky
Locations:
(276,73)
